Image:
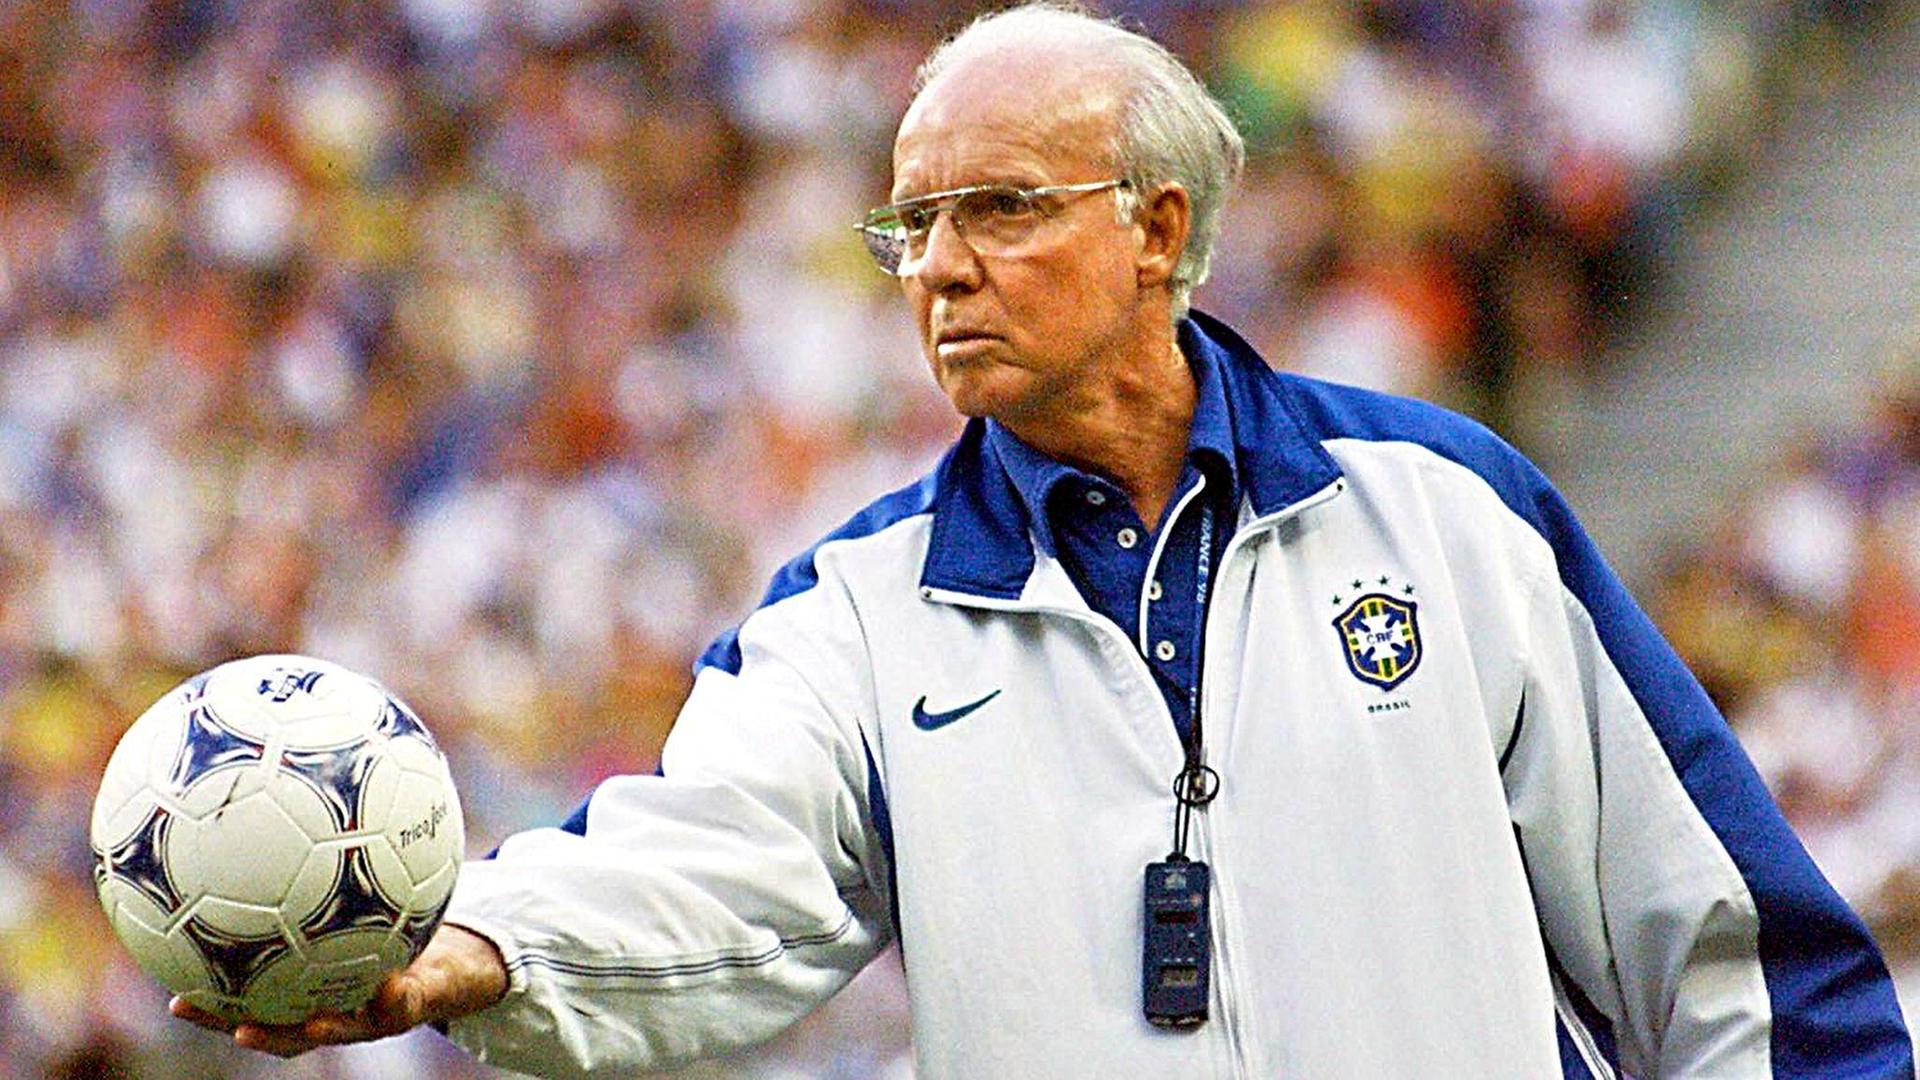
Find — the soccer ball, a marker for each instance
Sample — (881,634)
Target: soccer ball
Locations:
(274,836)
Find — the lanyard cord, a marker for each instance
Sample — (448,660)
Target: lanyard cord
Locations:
(1196,784)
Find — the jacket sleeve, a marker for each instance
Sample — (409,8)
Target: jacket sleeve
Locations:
(1690,932)
(690,913)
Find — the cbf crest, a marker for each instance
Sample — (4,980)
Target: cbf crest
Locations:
(1382,638)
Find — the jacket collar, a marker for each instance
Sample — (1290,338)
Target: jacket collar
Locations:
(1279,459)
(982,540)
(1209,448)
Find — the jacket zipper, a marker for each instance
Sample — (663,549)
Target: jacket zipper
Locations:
(1230,1021)
(1224,941)
(1107,630)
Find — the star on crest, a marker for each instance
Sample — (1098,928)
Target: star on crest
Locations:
(1384,581)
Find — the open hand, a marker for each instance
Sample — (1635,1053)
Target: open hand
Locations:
(459,972)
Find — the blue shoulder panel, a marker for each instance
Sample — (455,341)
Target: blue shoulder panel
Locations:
(796,577)
(799,574)
(1834,1009)
(979,543)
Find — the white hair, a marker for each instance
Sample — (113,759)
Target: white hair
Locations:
(1170,129)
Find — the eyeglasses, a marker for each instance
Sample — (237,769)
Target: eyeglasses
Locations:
(994,219)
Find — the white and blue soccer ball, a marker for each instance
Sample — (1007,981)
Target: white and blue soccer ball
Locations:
(275,835)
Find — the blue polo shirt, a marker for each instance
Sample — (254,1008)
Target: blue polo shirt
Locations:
(1150,582)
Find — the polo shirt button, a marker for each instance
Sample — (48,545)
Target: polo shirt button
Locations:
(1096,497)
(1127,538)
(1164,650)
(1153,591)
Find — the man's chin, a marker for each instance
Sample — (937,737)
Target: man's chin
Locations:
(974,408)
(984,394)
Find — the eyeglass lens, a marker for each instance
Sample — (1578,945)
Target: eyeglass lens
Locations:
(992,220)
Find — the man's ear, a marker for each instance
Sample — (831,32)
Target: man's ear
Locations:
(1164,219)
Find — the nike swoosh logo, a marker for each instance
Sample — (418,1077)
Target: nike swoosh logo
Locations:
(927,721)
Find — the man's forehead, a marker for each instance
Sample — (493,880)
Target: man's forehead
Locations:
(1058,99)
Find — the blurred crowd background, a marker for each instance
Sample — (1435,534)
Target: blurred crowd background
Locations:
(502,348)
(1798,606)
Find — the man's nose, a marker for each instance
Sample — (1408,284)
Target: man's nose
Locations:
(949,261)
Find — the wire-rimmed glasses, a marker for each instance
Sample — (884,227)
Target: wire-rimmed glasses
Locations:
(994,219)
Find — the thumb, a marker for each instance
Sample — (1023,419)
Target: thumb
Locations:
(402,1002)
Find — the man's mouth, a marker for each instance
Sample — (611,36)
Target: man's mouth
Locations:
(961,342)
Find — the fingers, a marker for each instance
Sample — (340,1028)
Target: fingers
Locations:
(283,1042)
(376,1020)
(202,1017)
(328,1029)
(459,973)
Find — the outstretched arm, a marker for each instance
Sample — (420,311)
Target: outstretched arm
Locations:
(674,916)
(705,909)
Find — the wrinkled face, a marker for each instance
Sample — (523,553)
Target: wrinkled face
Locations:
(1022,335)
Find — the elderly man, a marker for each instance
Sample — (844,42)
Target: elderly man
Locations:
(1188,720)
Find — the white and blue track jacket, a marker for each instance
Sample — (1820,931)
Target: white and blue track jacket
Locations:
(1477,820)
